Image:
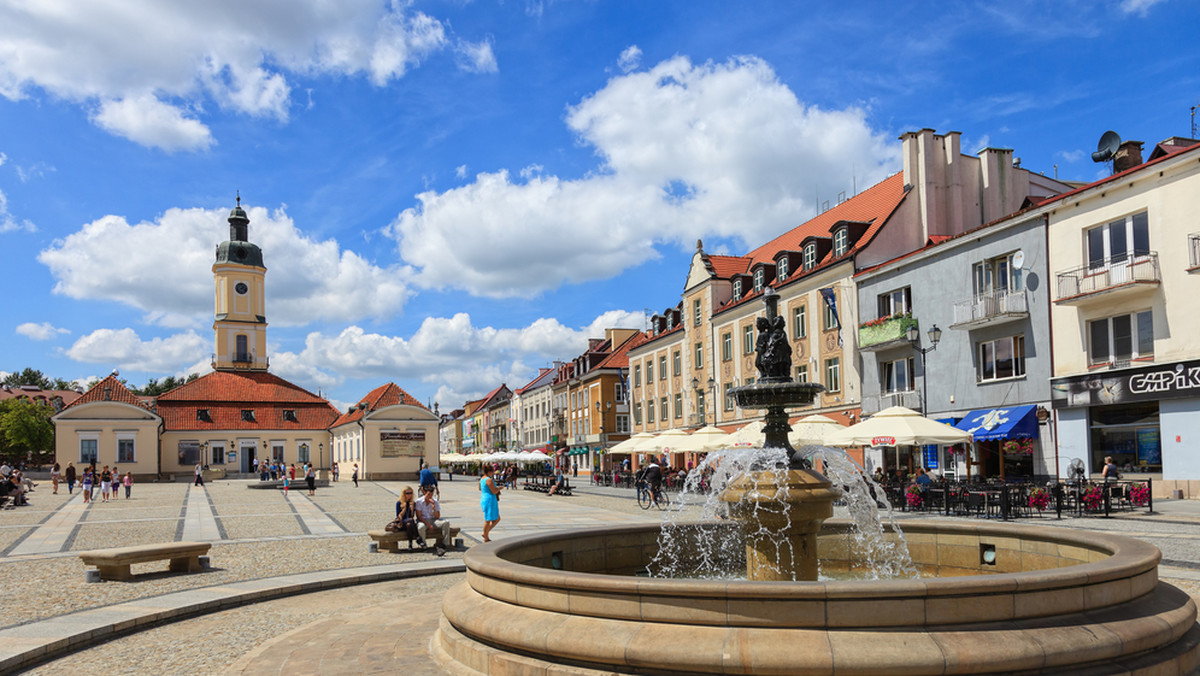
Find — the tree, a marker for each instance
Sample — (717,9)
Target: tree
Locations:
(157,387)
(27,430)
(29,376)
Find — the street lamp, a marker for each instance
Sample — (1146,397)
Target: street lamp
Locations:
(914,337)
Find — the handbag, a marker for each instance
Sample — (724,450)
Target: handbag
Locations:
(394,526)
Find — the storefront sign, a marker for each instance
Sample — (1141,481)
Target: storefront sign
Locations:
(401,444)
(1151,383)
(883,441)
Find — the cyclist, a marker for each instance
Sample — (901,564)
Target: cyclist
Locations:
(653,476)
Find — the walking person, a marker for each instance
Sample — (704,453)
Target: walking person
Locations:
(86,485)
(128,481)
(199,476)
(70,474)
(54,474)
(310,478)
(489,501)
(354,476)
(335,471)
(105,484)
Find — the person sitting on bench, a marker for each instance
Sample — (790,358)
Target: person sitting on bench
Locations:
(560,483)
(429,513)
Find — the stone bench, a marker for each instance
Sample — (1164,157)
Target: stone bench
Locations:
(390,542)
(114,563)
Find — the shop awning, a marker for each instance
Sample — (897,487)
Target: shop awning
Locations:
(1011,422)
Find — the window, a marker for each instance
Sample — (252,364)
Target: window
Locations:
(696,312)
(637,375)
(242,351)
(1121,338)
(896,376)
(894,303)
(700,412)
(996,274)
(618,393)
(662,367)
(728,397)
(748,339)
(303,452)
(841,241)
(622,423)
(1002,358)
(88,450)
(248,415)
(218,454)
(737,289)
(802,373)
(727,346)
(782,269)
(677,362)
(289,415)
(277,450)
(189,453)
(830,317)
(1116,241)
(699,355)
(663,413)
(833,375)
(649,410)
(125,448)
(203,415)
(800,322)
(649,372)
(758,280)
(678,405)
(810,256)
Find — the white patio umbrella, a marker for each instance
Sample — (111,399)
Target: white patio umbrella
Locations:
(632,444)
(536,456)
(705,439)
(750,434)
(671,441)
(814,430)
(898,426)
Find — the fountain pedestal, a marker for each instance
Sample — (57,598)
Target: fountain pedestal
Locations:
(782,513)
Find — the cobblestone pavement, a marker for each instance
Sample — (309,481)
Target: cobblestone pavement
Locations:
(262,534)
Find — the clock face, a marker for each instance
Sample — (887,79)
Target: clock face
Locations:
(241,288)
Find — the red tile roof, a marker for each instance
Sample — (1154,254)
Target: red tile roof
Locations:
(39,395)
(619,358)
(225,394)
(380,397)
(242,387)
(728,266)
(110,389)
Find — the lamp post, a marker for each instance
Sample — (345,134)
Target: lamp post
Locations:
(712,386)
(914,337)
(320,456)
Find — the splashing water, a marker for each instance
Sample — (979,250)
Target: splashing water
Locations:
(699,538)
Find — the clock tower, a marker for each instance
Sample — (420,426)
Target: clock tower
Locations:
(241,323)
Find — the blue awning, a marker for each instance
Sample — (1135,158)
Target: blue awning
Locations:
(1011,422)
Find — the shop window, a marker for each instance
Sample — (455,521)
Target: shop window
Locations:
(1129,433)
(1121,338)
(1002,358)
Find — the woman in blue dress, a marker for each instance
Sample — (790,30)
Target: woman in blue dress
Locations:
(489,500)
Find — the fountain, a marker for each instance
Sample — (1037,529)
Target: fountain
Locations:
(991,598)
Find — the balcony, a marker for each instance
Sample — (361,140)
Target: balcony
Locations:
(1120,275)
(993,307)
(882,334)
(1194,253)
(874,403)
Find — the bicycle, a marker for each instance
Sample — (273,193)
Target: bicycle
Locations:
(646,497)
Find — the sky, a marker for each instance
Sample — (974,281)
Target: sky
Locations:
(450,195)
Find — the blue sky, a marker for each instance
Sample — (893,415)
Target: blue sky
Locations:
(451,194)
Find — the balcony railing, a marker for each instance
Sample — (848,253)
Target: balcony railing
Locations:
(1103,276)
(877,335)
(989,308)
(1194,250)
(874,403)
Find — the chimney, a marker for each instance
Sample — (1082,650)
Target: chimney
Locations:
(1128,156)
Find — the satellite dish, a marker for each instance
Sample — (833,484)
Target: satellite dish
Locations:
(1019,260)
(1107,147)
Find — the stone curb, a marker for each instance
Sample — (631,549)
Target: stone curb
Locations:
(29,644)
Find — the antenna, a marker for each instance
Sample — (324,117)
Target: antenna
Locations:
(1107,147)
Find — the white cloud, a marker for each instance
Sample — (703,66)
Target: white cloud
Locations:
(43,331)
(123,349)
(1139,7)
(630,59)
(173,56)
(110,259)
(476,57)
(460,171)
(1071,156)
(448,350)
(685,151)
(147,121)
(8,223)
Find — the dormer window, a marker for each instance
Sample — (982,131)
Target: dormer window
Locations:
(289,415)
(841,241)
(810,256)
(203,415)
(737,289)
(783,268)
(248,415)
(758,280)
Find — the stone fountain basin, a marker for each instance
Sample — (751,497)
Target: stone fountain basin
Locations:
(1053,601)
